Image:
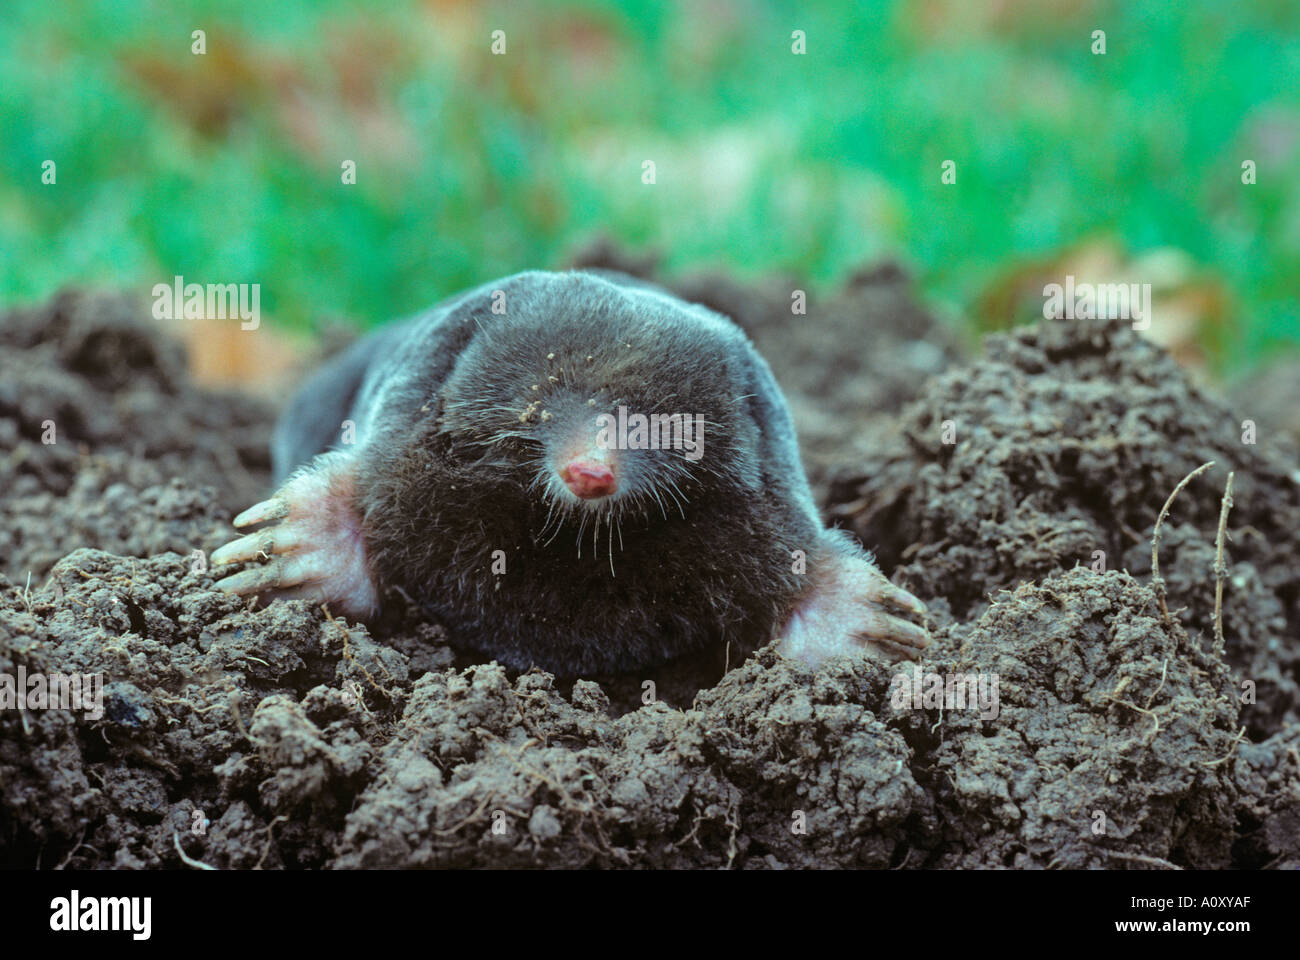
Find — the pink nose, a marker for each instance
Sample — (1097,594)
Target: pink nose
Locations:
(588,480)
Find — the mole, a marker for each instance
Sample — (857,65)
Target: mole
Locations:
(576,471)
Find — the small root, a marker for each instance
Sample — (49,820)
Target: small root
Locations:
(188,860)
(1143,710)
(1164,672)
(270,827)
(1232,751)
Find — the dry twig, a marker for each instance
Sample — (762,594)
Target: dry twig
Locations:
(1157,583)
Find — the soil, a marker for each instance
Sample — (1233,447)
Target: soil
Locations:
(238,736)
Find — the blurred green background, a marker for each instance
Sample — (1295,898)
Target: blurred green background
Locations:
(226,167)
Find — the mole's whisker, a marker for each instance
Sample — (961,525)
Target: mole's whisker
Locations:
(679,493)
(655,493)
(581,527)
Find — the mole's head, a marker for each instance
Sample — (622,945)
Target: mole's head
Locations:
(586,396)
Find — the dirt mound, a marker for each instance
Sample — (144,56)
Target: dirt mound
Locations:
(1111,743)
(1268,815)
(281,737)
(108,444)
(308,743)
(1059,448)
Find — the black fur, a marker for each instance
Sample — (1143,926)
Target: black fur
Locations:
(446,473)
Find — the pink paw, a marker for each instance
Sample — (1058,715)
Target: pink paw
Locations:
(312,547)
(854,611)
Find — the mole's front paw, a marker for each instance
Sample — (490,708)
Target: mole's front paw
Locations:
(312,547)
(854,610)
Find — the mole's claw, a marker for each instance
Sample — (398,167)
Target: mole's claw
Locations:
(279,574)
(258,546)
(251,581)
(882,629)
(315,548)
(239,583)
(277,508)
(255,546)
(853,610)
(883,592)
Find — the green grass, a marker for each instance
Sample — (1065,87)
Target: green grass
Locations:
(226,167)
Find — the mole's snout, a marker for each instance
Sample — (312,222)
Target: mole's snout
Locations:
(588,479)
